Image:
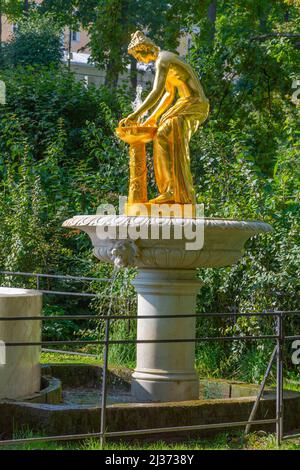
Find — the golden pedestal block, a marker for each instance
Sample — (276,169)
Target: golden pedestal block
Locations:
(181,211)
(137,137)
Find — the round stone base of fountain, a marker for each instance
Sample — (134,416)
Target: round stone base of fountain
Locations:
(69,403)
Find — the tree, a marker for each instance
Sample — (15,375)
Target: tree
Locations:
(11,9)
(14,9)
(71,12)
(110,24)
(36,42)
(116,20)
(249,69)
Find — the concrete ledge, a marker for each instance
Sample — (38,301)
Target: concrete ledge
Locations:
(86,375)
(51,393)
(49,418)
(45,419)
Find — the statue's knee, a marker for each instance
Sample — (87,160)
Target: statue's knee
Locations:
(160,133)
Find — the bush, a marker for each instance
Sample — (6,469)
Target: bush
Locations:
(37,41)
(58,157)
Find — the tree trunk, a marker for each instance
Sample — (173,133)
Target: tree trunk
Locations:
(112,74)
(263,24)
(69,47)
(287,16)
(1,17)
(212,16)
(26,5)
(133,75)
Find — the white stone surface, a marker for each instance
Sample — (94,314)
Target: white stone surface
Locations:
(166,285)
(21,375)
(224,240)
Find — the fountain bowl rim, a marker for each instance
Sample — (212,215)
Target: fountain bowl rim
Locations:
(209,222)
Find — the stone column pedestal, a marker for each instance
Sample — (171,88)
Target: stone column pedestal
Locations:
(20,375)
(165,371)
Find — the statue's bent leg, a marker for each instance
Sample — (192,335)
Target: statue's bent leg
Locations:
(184,126)
(172,160)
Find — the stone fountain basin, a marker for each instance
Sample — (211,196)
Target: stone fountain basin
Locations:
(223,240)
(70,404)
(136,134)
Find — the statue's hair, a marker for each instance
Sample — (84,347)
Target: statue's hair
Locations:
(140,42)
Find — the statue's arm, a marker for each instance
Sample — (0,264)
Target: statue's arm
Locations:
(164,104)
(157,90)
(156,93)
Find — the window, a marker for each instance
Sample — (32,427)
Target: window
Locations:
(75,36)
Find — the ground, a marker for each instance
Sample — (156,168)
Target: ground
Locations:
(224,441)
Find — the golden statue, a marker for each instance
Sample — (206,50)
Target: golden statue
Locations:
(178,106)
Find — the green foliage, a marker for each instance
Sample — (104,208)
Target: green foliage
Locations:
(246,165)
(232,185)
(72,13)
(36,42)
(56,147)
(13,9)
(58,330)
(247,68)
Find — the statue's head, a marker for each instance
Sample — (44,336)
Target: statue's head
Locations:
(142,48)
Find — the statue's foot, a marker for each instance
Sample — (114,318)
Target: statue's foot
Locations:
(166,198)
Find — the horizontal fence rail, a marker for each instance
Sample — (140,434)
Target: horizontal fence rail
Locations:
(147,341)
(196,427)
(55,276)
(277,355)
(144,317)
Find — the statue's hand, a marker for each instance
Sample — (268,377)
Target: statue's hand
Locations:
(131,119)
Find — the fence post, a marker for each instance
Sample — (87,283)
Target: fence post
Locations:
(104,384)
(261,391)
(279,380)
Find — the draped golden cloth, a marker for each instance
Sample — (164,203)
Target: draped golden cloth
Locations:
(171,148)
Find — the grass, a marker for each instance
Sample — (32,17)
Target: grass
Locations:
(53,358)
(255,441)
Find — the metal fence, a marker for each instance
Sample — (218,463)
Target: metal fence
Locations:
(278,337)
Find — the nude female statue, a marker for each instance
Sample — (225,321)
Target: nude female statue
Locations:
(179,107)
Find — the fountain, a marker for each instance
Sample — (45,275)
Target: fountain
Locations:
(163,237)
